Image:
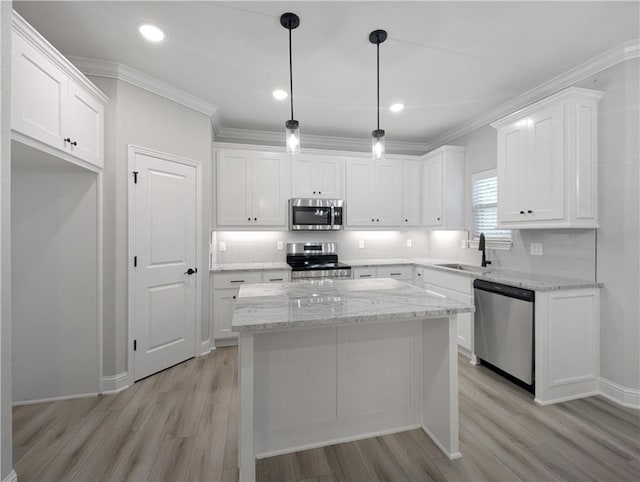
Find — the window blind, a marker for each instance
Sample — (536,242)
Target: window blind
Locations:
(485,209)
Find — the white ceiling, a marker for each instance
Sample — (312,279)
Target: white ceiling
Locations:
(447,61)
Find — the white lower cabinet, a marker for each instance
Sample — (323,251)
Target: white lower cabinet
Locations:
(400,272)
(224,293)
(457,287)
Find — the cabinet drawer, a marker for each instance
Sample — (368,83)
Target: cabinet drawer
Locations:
(454,295)
(276,276)
(396,272)
(359,273)
(234,280)
(451,281)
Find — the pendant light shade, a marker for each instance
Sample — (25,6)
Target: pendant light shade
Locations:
(291,21)
(377,136)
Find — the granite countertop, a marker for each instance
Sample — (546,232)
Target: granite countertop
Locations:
(520,279)
(263,307)
(222,267)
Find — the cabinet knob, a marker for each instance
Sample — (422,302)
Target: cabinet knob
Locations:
(530,211)
(248,219)
(314,192)
(319,192)
(66,139)
(234,297)
(406,220)
(74,143)
(255,219)
(373,220)
(377,220)
(437,219)
(521,212)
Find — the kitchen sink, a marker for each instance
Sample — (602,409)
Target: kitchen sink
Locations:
(464,267)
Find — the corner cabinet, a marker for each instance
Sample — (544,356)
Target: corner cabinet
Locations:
(317,176)
(547,163)
(443,188)
(251,188)
(52,104)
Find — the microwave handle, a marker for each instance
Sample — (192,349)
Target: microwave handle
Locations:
(333,216)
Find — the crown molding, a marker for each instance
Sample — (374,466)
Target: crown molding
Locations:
(310,141)
(625,51)
(119,71)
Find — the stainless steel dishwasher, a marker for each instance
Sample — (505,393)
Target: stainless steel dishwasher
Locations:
(503,328)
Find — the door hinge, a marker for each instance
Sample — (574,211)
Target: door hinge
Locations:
(135,261)
(135,345)
(135,177)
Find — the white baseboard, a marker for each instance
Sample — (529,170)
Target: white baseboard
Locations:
(627,397)
(55,399)
(205,348)
(450,455)
(12,477)
(223,342)
(115,383)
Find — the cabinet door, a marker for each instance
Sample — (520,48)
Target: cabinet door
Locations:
(303,176)
(233,186)
(511,163)
(389,193)
(363,273)
(433,190)
(543,180)
(269,178)
(224,302)
(39,95)
(329,177)
(411,193)
(360,207)
(84,121)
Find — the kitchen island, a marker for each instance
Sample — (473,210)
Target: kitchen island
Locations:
(329,361)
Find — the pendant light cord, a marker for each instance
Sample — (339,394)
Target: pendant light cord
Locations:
(291,74)
(378,79)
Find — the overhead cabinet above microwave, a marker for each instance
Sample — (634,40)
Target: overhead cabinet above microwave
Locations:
(317,176)
(547,163)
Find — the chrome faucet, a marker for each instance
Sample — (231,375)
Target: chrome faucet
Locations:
(482,247)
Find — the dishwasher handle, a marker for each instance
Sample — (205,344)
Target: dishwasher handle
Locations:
(504,290)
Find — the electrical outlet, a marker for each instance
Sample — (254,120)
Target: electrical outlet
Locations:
(361,243)
(222,246)
(536,249)
(280,245)
(409,243)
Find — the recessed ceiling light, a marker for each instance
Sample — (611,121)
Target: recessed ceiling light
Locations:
(397,107)
(151,32)
(280,94)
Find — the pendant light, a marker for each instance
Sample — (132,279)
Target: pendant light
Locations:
(377,136)
(292,127)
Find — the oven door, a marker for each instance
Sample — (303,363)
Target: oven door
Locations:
(313,215)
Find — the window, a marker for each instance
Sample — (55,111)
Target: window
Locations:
(484,199)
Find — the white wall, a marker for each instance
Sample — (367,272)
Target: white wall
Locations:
(260,246)
(573,252)
(6,461)
(55,290)
(136,116)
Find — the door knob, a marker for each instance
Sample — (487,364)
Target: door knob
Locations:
(190,271)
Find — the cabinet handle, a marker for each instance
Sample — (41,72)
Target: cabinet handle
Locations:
(530,211)
(365,276)
(395,274)
(234,297)
(236,281)
(67,140)
(521,212)
(276,279)
(74,143)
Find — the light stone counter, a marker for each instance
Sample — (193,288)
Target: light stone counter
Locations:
(238,267)
(262,307)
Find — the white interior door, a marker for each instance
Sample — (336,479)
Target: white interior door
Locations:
(164,243)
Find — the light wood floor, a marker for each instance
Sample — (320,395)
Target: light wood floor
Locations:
(181,424)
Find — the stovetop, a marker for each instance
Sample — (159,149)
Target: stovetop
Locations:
(312,265)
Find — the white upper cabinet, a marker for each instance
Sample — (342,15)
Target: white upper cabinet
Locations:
(547,163)
(443,188)
(316,176)
(52,103)
(251,188)
(411,193)
(374,193)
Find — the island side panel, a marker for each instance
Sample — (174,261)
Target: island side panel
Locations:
(440,383)
(319,386)
(246,452)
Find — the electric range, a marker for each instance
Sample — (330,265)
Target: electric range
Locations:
(316,260)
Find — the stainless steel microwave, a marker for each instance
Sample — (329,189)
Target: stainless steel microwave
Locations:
(315,214)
